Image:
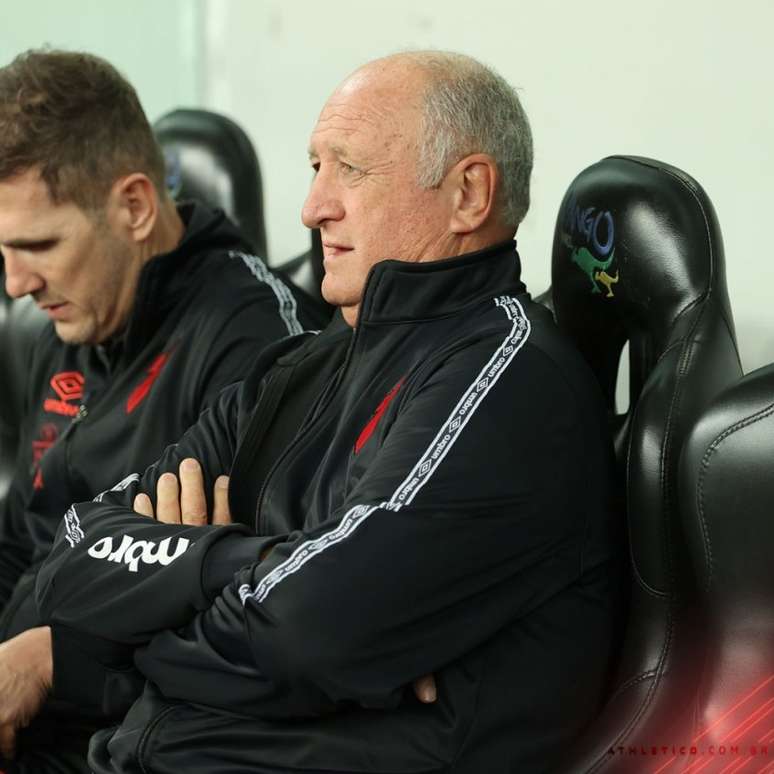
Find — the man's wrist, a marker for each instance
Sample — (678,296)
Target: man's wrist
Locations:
(39,642)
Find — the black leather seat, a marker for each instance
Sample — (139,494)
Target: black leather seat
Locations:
(20,324)
(727,492)
(211,159)
(638,258)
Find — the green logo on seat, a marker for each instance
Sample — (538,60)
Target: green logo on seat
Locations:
(595,269)
(590,234)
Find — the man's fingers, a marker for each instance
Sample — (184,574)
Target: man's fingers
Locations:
(220,511)
(425,690)
(193,503)
(143,505)
(168,499)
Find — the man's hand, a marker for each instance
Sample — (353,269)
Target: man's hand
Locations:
(182,501)
(425,690)
(26,670)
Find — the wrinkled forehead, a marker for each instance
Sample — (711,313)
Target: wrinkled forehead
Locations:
(376,106)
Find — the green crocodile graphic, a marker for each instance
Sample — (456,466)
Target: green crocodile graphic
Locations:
(591,266)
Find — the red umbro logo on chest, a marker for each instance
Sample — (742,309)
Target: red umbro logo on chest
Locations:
(68,386)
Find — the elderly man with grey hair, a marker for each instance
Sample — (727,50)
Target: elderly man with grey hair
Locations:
(422,488)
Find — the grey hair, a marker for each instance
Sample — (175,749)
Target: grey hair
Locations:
(468,108)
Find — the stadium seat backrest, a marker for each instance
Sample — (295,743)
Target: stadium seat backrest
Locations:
(210,158)
(638,258)
(727,492)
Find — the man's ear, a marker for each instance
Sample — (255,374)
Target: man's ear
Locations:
(475,180)
(136,202)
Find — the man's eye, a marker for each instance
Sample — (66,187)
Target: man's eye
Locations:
(42,246)
(348,169)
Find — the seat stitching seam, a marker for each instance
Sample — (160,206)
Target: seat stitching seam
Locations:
(713,447)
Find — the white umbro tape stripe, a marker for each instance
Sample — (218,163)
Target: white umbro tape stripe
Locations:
(288,308)
(426,465)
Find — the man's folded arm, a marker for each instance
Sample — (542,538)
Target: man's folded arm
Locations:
(100,604)
(439,545)
(121,576)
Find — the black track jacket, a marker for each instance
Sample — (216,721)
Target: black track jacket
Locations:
(96,413)
(442,507)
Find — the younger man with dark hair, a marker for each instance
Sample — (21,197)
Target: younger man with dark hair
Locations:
(154,308)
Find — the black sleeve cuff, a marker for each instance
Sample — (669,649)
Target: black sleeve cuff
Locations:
(228,555)
(95,674)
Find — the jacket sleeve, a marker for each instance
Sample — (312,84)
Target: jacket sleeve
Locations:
(464,522)
(118,575)
(113,578)
(235,342)
(257,311)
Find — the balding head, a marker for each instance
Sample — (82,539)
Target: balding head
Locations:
(388,187)
(465,107)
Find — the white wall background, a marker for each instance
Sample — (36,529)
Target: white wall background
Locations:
(156,44)
(690,83)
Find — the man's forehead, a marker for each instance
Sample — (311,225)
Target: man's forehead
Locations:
(339,128)
(347,112)
(315,148)
(27,184)
(361,143)
(27,211)
(359,118)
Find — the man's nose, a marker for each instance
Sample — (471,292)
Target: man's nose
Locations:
(322,204)
(19,280)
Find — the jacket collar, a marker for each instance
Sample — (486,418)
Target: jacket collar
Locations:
(398,291)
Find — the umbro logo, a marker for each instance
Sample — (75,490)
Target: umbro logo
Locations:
(132,552)
(68,386)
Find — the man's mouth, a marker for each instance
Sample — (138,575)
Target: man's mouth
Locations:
(331,250)
(54,311)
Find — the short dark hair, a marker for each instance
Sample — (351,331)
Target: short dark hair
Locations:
(73,116)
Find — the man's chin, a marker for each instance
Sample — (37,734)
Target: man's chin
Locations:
(336,295)
(72,332)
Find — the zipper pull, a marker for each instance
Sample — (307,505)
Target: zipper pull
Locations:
(83,412)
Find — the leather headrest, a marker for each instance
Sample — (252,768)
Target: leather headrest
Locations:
(636,246)
(211,159)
